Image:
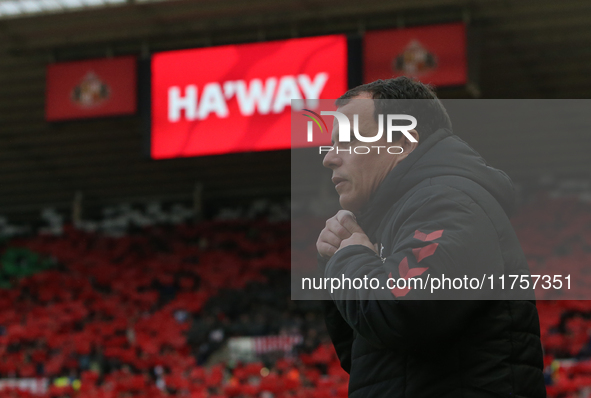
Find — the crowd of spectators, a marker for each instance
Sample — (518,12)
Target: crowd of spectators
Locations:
(145,309)
(554,229)
(142,313)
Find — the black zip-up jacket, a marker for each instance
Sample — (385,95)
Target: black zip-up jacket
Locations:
(442,210)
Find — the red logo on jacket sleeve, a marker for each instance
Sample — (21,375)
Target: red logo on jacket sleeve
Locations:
(428,237)
(420,253)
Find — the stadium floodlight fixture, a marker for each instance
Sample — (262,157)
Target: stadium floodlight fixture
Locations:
(10,8)
(72,3)
(50,5)
(93,3)
(16,8)
(30,6)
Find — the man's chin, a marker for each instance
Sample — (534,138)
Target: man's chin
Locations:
(348,204)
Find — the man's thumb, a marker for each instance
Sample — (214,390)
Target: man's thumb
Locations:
(347,219)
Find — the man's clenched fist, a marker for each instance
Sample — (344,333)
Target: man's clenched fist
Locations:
(340,231)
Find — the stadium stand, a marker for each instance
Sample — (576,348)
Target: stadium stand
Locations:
(141,314)
(554,227)
(149,304)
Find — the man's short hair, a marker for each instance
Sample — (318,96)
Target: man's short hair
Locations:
(430,114)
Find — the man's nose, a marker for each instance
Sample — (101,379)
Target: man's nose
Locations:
(331,159)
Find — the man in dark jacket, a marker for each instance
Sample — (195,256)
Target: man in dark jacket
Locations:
(437,208)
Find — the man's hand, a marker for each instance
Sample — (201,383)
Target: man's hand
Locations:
(357,239)
(339,229)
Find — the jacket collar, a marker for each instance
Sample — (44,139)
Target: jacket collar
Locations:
(392,188)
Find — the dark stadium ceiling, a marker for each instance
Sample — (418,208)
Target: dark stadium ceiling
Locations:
(23,8)
(543,46)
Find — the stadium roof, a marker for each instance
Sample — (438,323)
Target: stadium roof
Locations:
(19,8)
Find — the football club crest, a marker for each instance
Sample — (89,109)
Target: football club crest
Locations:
(91,91)
(415,60)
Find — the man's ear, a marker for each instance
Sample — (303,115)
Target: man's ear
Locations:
(407,145)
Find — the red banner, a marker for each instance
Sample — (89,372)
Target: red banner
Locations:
(93,88)
(237,98)
(432,54)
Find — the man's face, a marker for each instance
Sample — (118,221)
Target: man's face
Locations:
(357,176)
